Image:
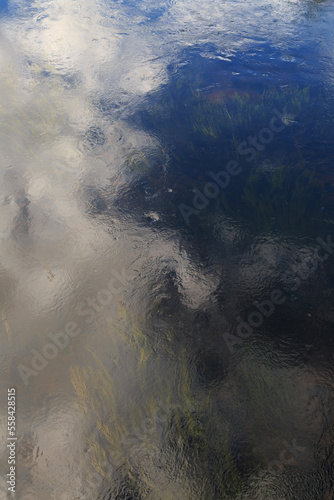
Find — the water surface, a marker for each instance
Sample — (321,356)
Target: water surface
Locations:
(166,262)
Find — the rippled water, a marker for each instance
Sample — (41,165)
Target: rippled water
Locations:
(166,261)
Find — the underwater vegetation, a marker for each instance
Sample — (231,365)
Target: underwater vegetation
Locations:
(193,119)
(170,443)
(277,200)
(202,129)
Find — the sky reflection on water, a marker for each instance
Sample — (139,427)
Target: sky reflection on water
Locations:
(112,114)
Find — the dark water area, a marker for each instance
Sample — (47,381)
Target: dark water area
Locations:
(167,250)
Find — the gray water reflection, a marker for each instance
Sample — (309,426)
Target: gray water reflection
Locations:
(140,395)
